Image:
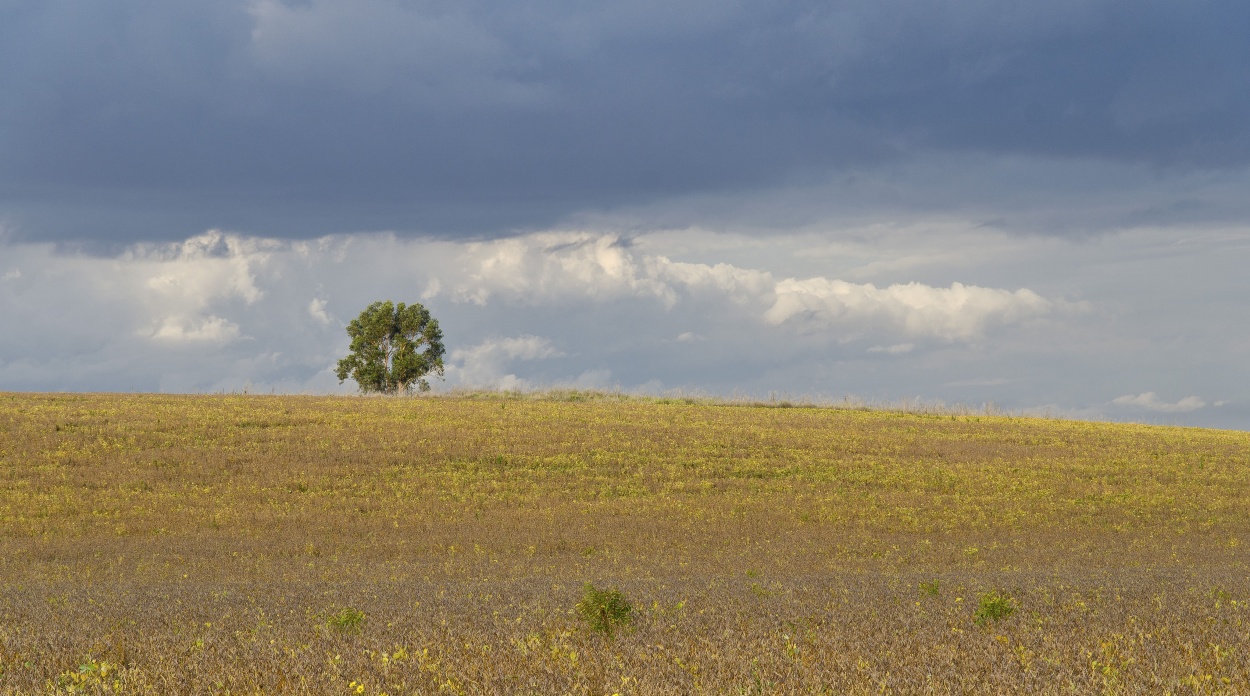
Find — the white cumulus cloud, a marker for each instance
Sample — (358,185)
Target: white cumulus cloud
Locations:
(576,267)
(209,329)
(317,310)
(960,312)
(486,364)
(551,266)
(1151,402)
(203,268)
(184,285)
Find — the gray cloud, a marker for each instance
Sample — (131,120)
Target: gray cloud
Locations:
(157,120)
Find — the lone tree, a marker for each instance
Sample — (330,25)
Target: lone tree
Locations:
(387,342)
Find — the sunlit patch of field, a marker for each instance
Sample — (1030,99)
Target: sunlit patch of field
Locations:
(245,544)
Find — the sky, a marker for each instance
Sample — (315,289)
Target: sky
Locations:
(1040,206)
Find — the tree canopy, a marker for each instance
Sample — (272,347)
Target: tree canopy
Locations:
(394,347)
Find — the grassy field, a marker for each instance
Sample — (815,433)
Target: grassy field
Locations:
(285,544)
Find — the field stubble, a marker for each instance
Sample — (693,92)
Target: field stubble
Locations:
(243,544)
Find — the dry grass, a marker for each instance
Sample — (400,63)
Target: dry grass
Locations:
(226,544)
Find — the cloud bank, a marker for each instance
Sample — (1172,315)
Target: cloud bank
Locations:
(223,311)
(571,267)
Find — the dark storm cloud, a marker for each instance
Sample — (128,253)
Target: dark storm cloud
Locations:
(161,119)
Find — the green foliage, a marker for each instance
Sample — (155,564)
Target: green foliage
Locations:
(994,606)
(393,348)
(604,610)
(91,677)
(348,620)
(931,588)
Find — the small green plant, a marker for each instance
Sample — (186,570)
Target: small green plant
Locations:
(931,588)
(348,620)
(994,606)
(90,676)
(604,610)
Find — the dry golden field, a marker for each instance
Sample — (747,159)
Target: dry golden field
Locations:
(285,544)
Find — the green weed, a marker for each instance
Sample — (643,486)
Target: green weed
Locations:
(994,606)
(604,611)
(348,620)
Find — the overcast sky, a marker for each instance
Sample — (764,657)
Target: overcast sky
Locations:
(1041,205)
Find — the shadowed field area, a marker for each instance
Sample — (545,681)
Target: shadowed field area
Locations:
(284,544)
